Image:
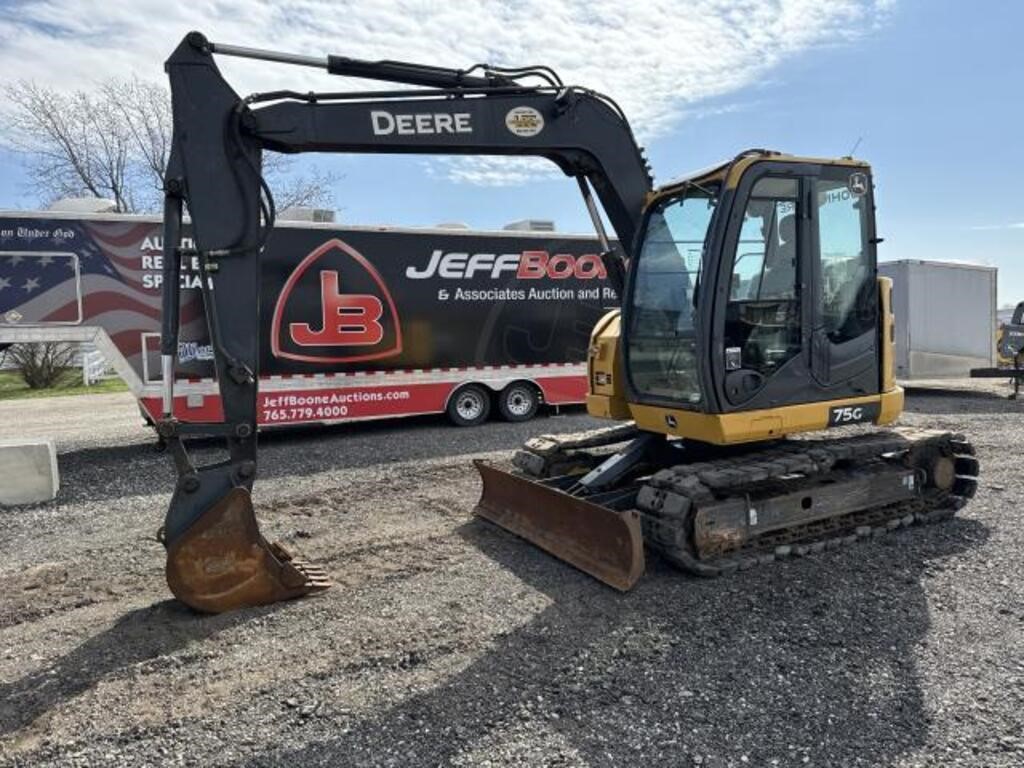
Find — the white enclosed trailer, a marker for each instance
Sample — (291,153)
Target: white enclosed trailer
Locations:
(945,317)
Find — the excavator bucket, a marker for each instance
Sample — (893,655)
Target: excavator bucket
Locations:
(602,542)
(221,562)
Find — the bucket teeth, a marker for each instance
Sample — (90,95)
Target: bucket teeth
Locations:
(316,575)
(312,574)
(280,551)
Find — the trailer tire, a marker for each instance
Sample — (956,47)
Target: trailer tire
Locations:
(519,401)
(469,406)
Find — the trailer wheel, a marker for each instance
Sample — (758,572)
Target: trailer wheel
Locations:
(469,406)
(518,401)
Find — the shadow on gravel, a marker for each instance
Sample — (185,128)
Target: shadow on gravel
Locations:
(967,394)
(804,662)
(147,633)
(950,402)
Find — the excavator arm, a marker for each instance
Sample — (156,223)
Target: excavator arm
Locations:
(217,559)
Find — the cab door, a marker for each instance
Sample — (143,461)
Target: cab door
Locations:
(796,309)
(763,306)
(844,348)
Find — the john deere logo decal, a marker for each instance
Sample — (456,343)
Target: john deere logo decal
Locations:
(335,308)
(524,121)
(858,184)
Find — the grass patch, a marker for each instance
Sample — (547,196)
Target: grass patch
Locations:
(12,387)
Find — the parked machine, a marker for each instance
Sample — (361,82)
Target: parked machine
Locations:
(1010,338)
(1009,347)
(750,311)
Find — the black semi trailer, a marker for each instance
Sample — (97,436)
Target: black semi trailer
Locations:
(358,322)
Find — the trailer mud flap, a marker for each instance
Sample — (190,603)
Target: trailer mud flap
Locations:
(604,543)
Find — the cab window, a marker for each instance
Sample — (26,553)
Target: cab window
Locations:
(661,346)
(847,295)
(763,315)
(765,265)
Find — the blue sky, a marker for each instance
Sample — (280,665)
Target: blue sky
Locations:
(932,89)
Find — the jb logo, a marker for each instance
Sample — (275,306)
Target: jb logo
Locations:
(335,308)
(351,320)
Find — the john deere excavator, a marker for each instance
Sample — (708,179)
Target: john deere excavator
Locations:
(751,313)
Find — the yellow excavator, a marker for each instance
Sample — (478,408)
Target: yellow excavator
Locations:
(752,352)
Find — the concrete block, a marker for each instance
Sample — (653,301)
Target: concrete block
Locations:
(28,471)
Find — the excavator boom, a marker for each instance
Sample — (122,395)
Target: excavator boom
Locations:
(217,559)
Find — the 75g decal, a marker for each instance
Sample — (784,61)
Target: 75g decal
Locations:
(841,415)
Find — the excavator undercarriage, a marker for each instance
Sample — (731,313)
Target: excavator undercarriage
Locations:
(712,510)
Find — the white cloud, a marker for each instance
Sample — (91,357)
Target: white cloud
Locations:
(659,59)
(995,227)
(493,171)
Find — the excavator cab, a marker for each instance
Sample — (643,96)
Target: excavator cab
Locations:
(754,289)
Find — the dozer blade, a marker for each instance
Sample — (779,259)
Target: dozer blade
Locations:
(604,543)
(221,562)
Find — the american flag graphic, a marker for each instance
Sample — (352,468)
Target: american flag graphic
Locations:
(42,289)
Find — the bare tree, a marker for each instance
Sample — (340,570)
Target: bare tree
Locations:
(113,143)
(41,364)
(75,148)
(311,189)
(144,110)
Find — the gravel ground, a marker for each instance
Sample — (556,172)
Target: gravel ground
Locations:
(449,642)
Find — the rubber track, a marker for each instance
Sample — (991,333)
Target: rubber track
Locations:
(670,497)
